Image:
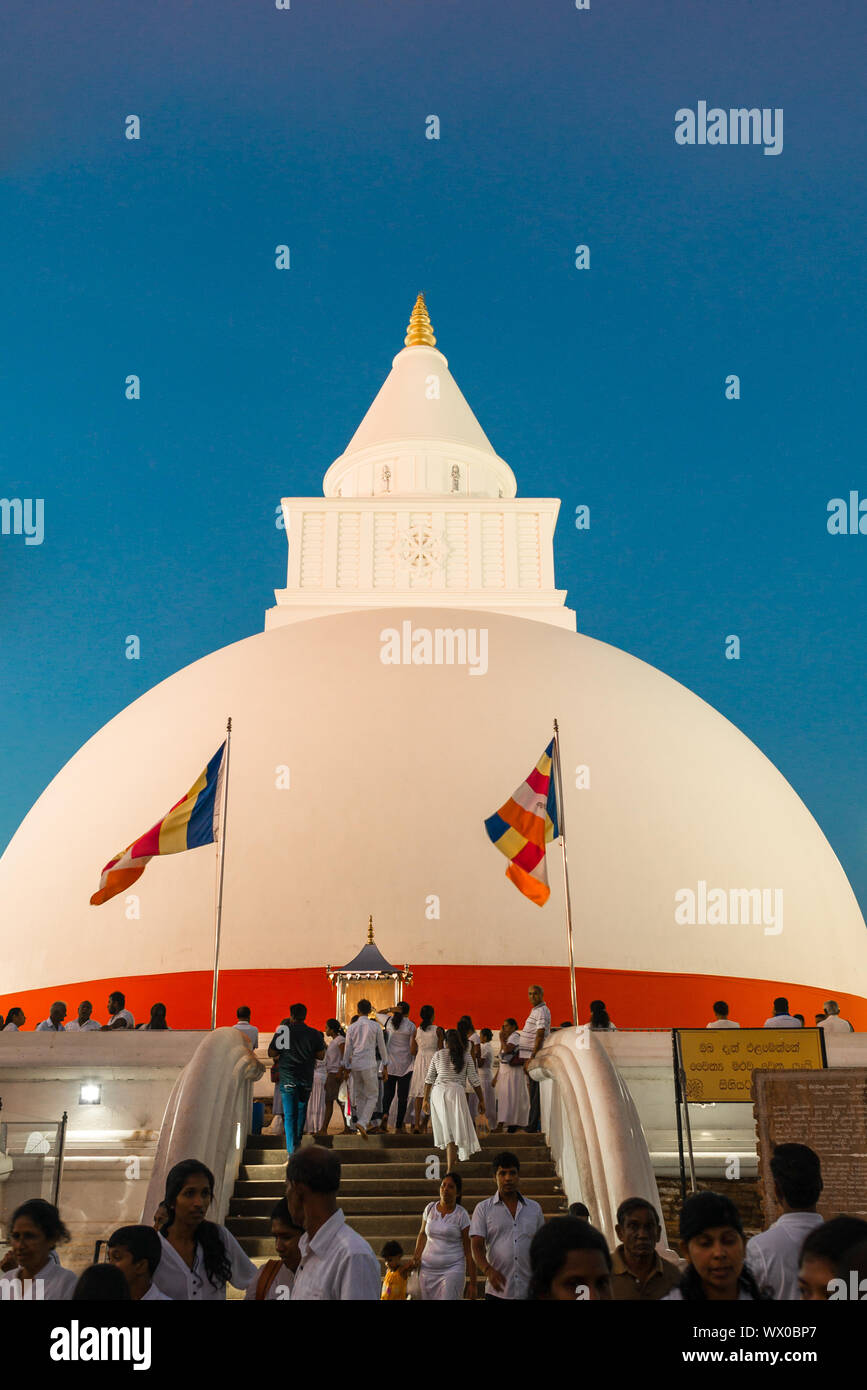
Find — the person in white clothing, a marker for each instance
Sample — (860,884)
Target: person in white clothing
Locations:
(721,1016)
(249,1030)
(54,1022)
(513,1098)
(399,1033)
(199,1258)
(34,1231)
(472,1046)
(773,1256)
(334,1045)
(427,1040)
(15,1020)
(84,1023)
(442,1251)
(502,1231)
(316,1104)
(781,1018)
(136,1252)
(486,1075)
(275,1279)
(337,1264)
(365,1042)
(832,1022)
(119,1016)
(533,1035)
(445,1100)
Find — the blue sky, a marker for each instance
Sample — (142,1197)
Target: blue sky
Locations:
(604,387)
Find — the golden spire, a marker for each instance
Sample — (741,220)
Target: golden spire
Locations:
(370,930)
(419,332)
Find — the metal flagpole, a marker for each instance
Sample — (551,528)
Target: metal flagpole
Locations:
(221,855)
(562,828)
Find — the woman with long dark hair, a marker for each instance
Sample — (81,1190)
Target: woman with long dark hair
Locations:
(34,1231)
(513,1098)
(712,1240)
(199,1258)
(427,1040)
(446,1103)
(334,1045)
(472,1045)
(599,1019)
(442,1255)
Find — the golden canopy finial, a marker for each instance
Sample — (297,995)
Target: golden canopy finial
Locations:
(419,332)
(370,929)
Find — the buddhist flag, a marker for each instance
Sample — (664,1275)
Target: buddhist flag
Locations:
(192,821)
(523,827)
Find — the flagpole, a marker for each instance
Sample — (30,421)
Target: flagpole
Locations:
(562,828)
(221,855)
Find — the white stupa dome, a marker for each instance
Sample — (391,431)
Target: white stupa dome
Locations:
(359,787)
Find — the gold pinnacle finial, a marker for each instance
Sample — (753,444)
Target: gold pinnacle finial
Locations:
(419,332)
(370,930)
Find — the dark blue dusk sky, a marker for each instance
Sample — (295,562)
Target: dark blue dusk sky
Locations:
(604,387)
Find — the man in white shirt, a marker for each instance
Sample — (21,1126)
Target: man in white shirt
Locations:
(502,1231)
(721,1016)
(781,1018)
(15,1020)
(832,1022)
(533,1035)
(774,1256)
(84,1023)
(400,1063)
(54,1022)
(364,1043)
(336,1262)
(119,1017)
(249,1030)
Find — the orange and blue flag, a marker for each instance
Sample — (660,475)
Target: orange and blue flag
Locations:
(522,828)
(192,821)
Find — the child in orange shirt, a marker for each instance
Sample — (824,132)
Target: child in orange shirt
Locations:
(394,1283)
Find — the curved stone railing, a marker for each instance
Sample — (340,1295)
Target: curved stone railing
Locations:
(593,1129)
(208,1117)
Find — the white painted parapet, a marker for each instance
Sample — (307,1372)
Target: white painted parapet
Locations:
(208,1117)
(593,1129)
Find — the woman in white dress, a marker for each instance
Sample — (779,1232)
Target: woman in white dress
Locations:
(34,1231)
(513,1098)
(472,1044)
(486,1073)
(443,1256)
(446,1102)
(199,1258)
(316,1103)
(333,1073)
(427,1039)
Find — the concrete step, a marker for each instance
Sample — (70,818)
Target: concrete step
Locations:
(474,1188)
(251,1215)
(513,1142)
(267,1172)
(359,1152)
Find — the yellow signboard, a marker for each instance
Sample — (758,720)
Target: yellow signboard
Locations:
(718,1063)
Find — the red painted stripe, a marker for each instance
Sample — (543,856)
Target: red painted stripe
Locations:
(635,999)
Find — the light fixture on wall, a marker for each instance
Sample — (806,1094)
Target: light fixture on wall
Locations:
(90,1093)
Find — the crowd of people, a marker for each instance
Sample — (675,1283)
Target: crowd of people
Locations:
(384,1068)
(506,1242)
(119,1017)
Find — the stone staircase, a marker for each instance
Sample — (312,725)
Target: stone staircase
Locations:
(384,1185)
